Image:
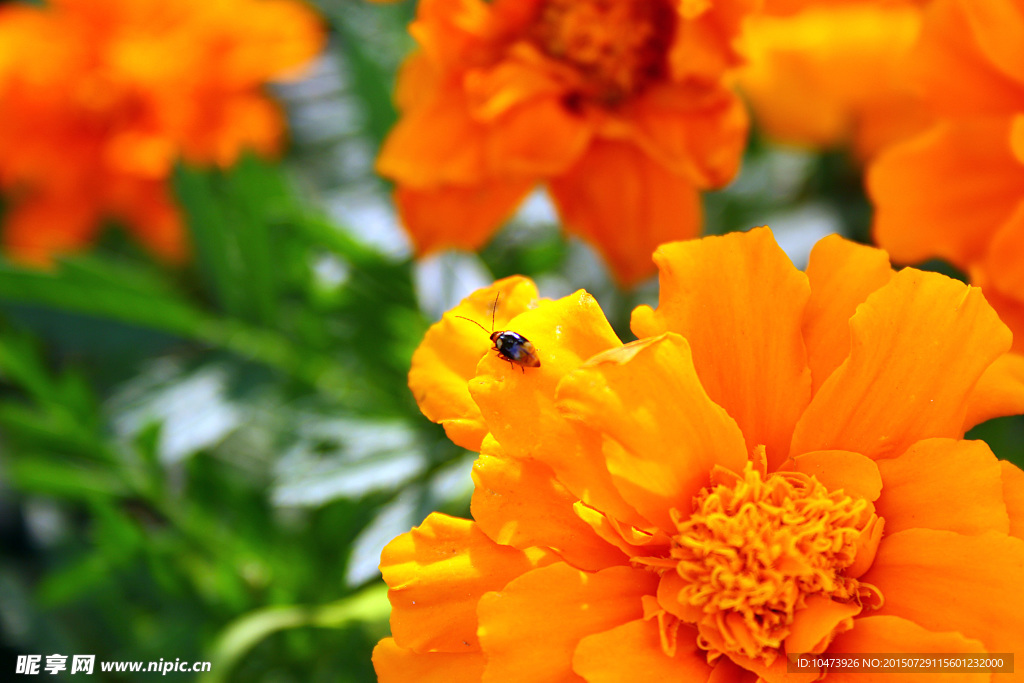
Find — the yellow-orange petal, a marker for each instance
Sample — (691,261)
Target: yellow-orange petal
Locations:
(894,634)
(943,484)
(436,574)
(919,345)
(953,71)
(395,664)
(518,405)
(537,138)
(852,472)
(914,221)
(768,673)
(1011,312)
(1000,391)
(435,144)
(844,57)
(419,78)
(696,131)
(740,303)
(726,671)
(814,626)
(632,541)
(530,629)
(947,581)
(530,131)
(625,204)
(452,32)
(998,29)
(662,434)
(1013,496)
(447,357)
(461,217)
(704,45)
(633,652)
(842,275)
(1017,137)
(1005,255)
(518,502)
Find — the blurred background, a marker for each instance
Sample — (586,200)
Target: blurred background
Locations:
(202,460)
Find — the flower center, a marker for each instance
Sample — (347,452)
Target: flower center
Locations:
(753,552)
(617,46)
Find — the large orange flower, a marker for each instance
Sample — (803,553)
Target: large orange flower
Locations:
(827,73)
(774,467)
(619,107)
(957,190)
(99,98)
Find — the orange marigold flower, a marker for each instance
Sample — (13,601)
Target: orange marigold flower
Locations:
(822,74)
(619,107)
(775,467)
(957,190)
(99,98)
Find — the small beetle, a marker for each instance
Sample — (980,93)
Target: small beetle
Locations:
(511,346)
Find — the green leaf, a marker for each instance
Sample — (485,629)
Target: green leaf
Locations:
(369,605)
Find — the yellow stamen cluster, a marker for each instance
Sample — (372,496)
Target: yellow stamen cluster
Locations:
(617,46)
(752,552)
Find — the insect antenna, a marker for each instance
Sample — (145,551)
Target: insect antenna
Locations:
(494,309)
(474,322)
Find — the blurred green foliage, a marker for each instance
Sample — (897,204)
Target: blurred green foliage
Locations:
(204,462)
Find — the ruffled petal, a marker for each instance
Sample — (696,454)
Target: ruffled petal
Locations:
(456,216)
(695,130)
(943,484)
(1000,391)
(1013,496)
(946,581)
(519,407)
(395,664)
(919,346)
(740,303)
(531,628)
(914,222)
(704,46)
(437,143)
(633,652)
(447,357)
(951,66)
(998,30)
(1011,312)
(436,574)
(452,32)
(519,503)
(662,434)
(842,275)
(625,204)
(815,625)
(1005,255)
(893,634)
(852,472)
(530,129)
(726,671)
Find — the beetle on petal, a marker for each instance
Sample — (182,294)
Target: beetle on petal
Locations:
(511,346)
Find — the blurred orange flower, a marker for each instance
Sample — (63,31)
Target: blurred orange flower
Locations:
(619,107)
(957,190)
(775,467)
(99,98)
(825,74)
